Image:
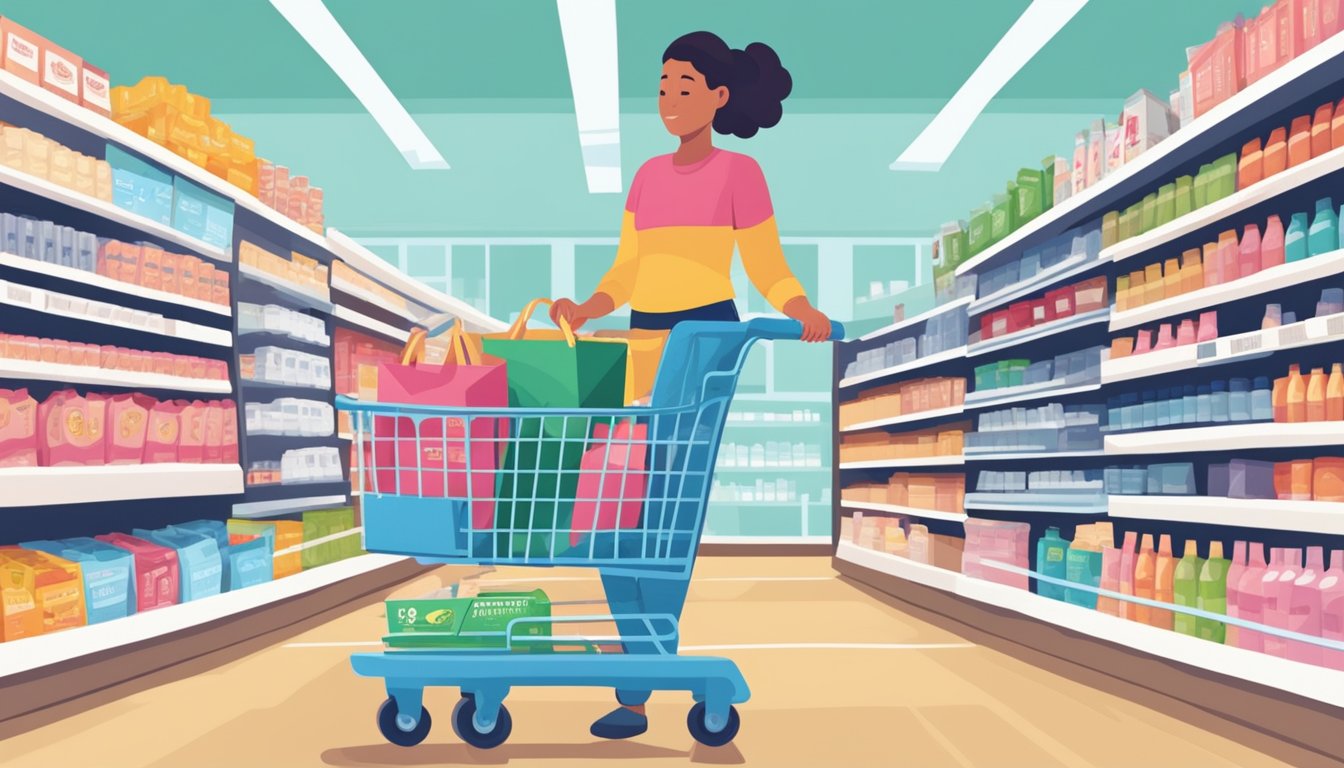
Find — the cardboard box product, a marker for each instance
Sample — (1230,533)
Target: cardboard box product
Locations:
(202,214)
(61,71)
(469,622)
(140,187)
(22,51)
(95,90)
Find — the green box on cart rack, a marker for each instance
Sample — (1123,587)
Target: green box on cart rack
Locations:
(468,622)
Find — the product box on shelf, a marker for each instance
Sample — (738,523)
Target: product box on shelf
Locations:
(198,557)
(328,522)
(42,593)
(281,534)
(61,71)
(95,90)
(157,572)
(139,187)
(109,579)
(202,214)
(22,51)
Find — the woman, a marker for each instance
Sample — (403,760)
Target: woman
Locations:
(685,213)
(688,209)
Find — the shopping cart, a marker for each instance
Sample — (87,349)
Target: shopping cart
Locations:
(554,517)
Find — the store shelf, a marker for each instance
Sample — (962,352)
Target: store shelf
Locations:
(96,280)
(1215,212)
(1016,455)
(366,323)
(30,653)
(1227,437)
(772,470)
(1317,683)
(85,374)
(39,300)
(257,510)
(782,397)
(258,384)
(923,461)
(1061,503)
(40,486)
(1038,332)
(991,398)
(16,179)
(1074,266)
(928,361)
(1265,281)
(1149,364)
(369,297)
(919,319)
(897,509)
(765,540)
(905,418)
(1197,140)
(1324,517)
(271,338)
(794,425)
(291,291)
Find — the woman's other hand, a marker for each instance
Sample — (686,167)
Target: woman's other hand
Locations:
(816,326)
(569,311)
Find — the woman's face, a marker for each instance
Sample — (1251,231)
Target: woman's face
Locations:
(685,101)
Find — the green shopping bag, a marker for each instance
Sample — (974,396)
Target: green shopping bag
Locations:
(540,474)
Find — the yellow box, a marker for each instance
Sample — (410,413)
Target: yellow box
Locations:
(56,587)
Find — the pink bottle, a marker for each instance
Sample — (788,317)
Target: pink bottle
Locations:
(1279,599)
(1249,259)
(1305,608)
(1185,333)
(1271,244)
(1229,255)
(1234,571)
(1143,342)
(1332,608)
(1127,557)
(1165,339)
(1208,326)
(1251,598)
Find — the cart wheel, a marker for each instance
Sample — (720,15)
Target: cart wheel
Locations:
(394,732)
(695,723)
(465,727)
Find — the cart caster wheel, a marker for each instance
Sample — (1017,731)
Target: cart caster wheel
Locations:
(393,731)
(695,723)
(465,727)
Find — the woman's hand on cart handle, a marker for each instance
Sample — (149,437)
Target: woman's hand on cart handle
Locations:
(599,305)
(816,325)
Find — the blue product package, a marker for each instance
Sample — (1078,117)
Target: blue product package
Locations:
(213,529)
(202,214)
(86,250)
(139,186)
(67,248)
(109,578)
(47,243)
(9,234)
(30,237)
(249,563)
(198,557)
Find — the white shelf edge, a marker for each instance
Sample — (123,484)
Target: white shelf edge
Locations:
(1244,101)
(100,281)
(1227,437)
(42,486)
(767,470)
(1023,394)
(922,317)
(1013,455)
(1149,364)
(291,290)
(1272,279)
(256,510)
(983,500)
(369,324)
(1323,517)
(955,353)
(346,287)
(898,509)
(1279,183)
(104,209)
(1038,282)
(936,413)
(181,328)
(25,654)
(1037,332)
(765,540)
(1309,681)
(87,374)
(923,461)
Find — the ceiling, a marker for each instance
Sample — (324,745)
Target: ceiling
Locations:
(512,49)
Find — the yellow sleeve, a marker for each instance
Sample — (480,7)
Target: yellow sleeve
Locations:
(763,257)
(619,282)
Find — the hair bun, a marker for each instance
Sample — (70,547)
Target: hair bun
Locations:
(757,82)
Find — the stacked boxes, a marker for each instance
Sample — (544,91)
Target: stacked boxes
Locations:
(880,446)
(903,398)
(998,540)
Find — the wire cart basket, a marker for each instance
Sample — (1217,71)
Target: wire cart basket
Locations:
(638,521)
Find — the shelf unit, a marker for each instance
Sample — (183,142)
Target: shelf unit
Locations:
(88,374)
(95,280)
(43,486)
(1038,332)
(956,354)
(1227,437)
(44,301)
(1324,517)
(906,418)
(897,509)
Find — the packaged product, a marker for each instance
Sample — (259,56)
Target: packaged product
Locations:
(191,435)
(18,429)
(214,433)
(1217,68)
(469,622)
(47,592)
(156,570)
(61,71)
(198,558)
(22,51)
(95,90)
(228,432)
(128,420)
(163,433)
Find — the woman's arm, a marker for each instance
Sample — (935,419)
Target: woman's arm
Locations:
(763,258)
(615,287)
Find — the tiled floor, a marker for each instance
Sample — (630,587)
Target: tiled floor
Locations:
(838,679)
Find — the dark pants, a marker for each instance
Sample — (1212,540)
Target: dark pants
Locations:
(664,321)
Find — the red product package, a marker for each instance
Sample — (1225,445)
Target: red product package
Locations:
(23,51)
(18,429)
(61,71)
(1019,316)
(1217,69)
(49,432)
(74,430)
(1061,302)
(219,288)
(191,435)
(95,90)
(214,432)
(229,432)
(161,436)
(127,423)
(157,577)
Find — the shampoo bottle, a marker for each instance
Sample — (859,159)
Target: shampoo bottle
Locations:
(1212,588)
(1110,580)
(1316,395)
(1332,608)
(1324,234)
(1164,581)
(1229,254)
(1297,395)
(1051,558)
(1278,398)
(1251,598)
(1145,575)
(1278,613)
(1304,608)
(1248,260)
(1186,583)
(1271,243)
(1233,594)
(1295,239)
(1269,581)
(1334,394)
(1128,556)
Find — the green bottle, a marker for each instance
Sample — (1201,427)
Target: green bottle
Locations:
(1052,560)
(1186,588)
(1213,594)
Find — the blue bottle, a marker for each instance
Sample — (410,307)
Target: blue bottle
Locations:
(1218,403)
(1163,407)
(1052,555)
(1239,400)
(1189,405)
(1262,406)
(1295,239)
(1148,419)
(1324,234)
(1203,405)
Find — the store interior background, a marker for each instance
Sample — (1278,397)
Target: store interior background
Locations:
(487,82)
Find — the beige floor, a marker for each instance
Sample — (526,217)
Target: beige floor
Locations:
(890,703)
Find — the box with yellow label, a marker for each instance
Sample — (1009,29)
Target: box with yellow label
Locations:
(41,593)
(468,622)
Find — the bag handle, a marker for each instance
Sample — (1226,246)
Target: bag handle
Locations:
(465,348)
(414,350)
(519,328)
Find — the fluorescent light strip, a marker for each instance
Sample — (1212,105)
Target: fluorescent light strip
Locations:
(589,30)
(314,22)
(1038,24)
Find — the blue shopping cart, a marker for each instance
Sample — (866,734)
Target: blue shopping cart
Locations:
(645,564)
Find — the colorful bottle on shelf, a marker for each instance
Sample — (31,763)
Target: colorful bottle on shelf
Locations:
(1213,266)
(1262,408)
(1128,557)
(1110,580)
(1251,598)
(1248,258)
(1334,394)
(1278,609)
(1304,608)
(1219,402)
(1332,608)
(1323,236)
(1212,592)
(1185,587)
(1084,567)
(1297,395)
(1269,582)
(1271,243)
(1278,398)
(1051,558)
(1164,586)
(1229,256)
(1316,395)
(1295,239)
(1232,591)
(1145,575)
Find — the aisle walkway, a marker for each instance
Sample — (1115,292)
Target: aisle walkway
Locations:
(837,677)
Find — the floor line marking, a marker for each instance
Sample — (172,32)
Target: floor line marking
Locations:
(726,647)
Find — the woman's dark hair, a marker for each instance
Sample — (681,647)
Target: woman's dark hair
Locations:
(757,82)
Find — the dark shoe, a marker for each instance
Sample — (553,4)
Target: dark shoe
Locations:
(620,723)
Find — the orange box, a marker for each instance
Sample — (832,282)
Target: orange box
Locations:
(61,71)
(22,50)
(41,593)
(188,267)
(168,271)
(219,289)
(95,90)
(205,281)
(151,276)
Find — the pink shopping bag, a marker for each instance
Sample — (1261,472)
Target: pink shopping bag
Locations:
(612,480)
(433,461)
